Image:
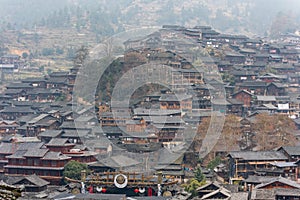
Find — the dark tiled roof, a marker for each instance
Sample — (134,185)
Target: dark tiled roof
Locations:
(18,154)
(17,110)
(50,133)
(29,145)
(258,179)
(281,180)
(13,91)
(58,142)
(253,84)
(18,86)
(287,192)
(292,150)
(258,155)
(173,97)
(50,155)
(6,148)
(35,152)
(235,102)
(33,179)
(119,161)
(75,133)
(153,112)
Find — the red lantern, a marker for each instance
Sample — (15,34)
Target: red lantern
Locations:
(136,190)
(90,189)
(103,190)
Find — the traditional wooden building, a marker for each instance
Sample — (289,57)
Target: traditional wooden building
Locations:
(33,159)
(78,153)
(31,183)
(39,124)
(276,188)
(12,113)
(8,127)
(244,96)
(245,163)
(254,87)
(176,102)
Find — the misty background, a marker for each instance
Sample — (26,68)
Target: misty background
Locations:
(106,17)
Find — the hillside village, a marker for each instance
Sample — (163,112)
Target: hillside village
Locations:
(252,83)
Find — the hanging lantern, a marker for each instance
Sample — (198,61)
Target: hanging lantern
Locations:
(103,190)
(142,190)
(136,190)
(90,189)
(99,189)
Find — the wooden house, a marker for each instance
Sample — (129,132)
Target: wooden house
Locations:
(292,152)
(38,124)
(276,188)
(244,96)
(8,127)
(31,183)
(243,75)
(185,77)
(276,89)
(235,58)
(254,87)
(35,82)
(32,159)
(176,102)
(47,135)
(245,163)
(12,113)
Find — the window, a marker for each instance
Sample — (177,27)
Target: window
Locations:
(30,162)
(36,162)
(53,163)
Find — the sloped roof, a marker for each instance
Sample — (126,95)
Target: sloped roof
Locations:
(6,148)
(258,179)
(59,142)
(245,91)
(281,180)
(258,155)
(119,161)
(287,192)
(265,98)
(263,194)
(223,191)
(292,150)
(17,110)
(50,155)
(208,183)
(75,133)
(28,145)
(51,133)
(33,179)
(35,152)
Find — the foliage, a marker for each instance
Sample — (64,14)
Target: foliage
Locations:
(47,51)
(226,77)
(42,68)
(62,97)
(192,185)
(25,55)
(214,163)
(199,175)
(272,131)
(230,134)
(59,51)
(73,169)
(196,182)
(49,71)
